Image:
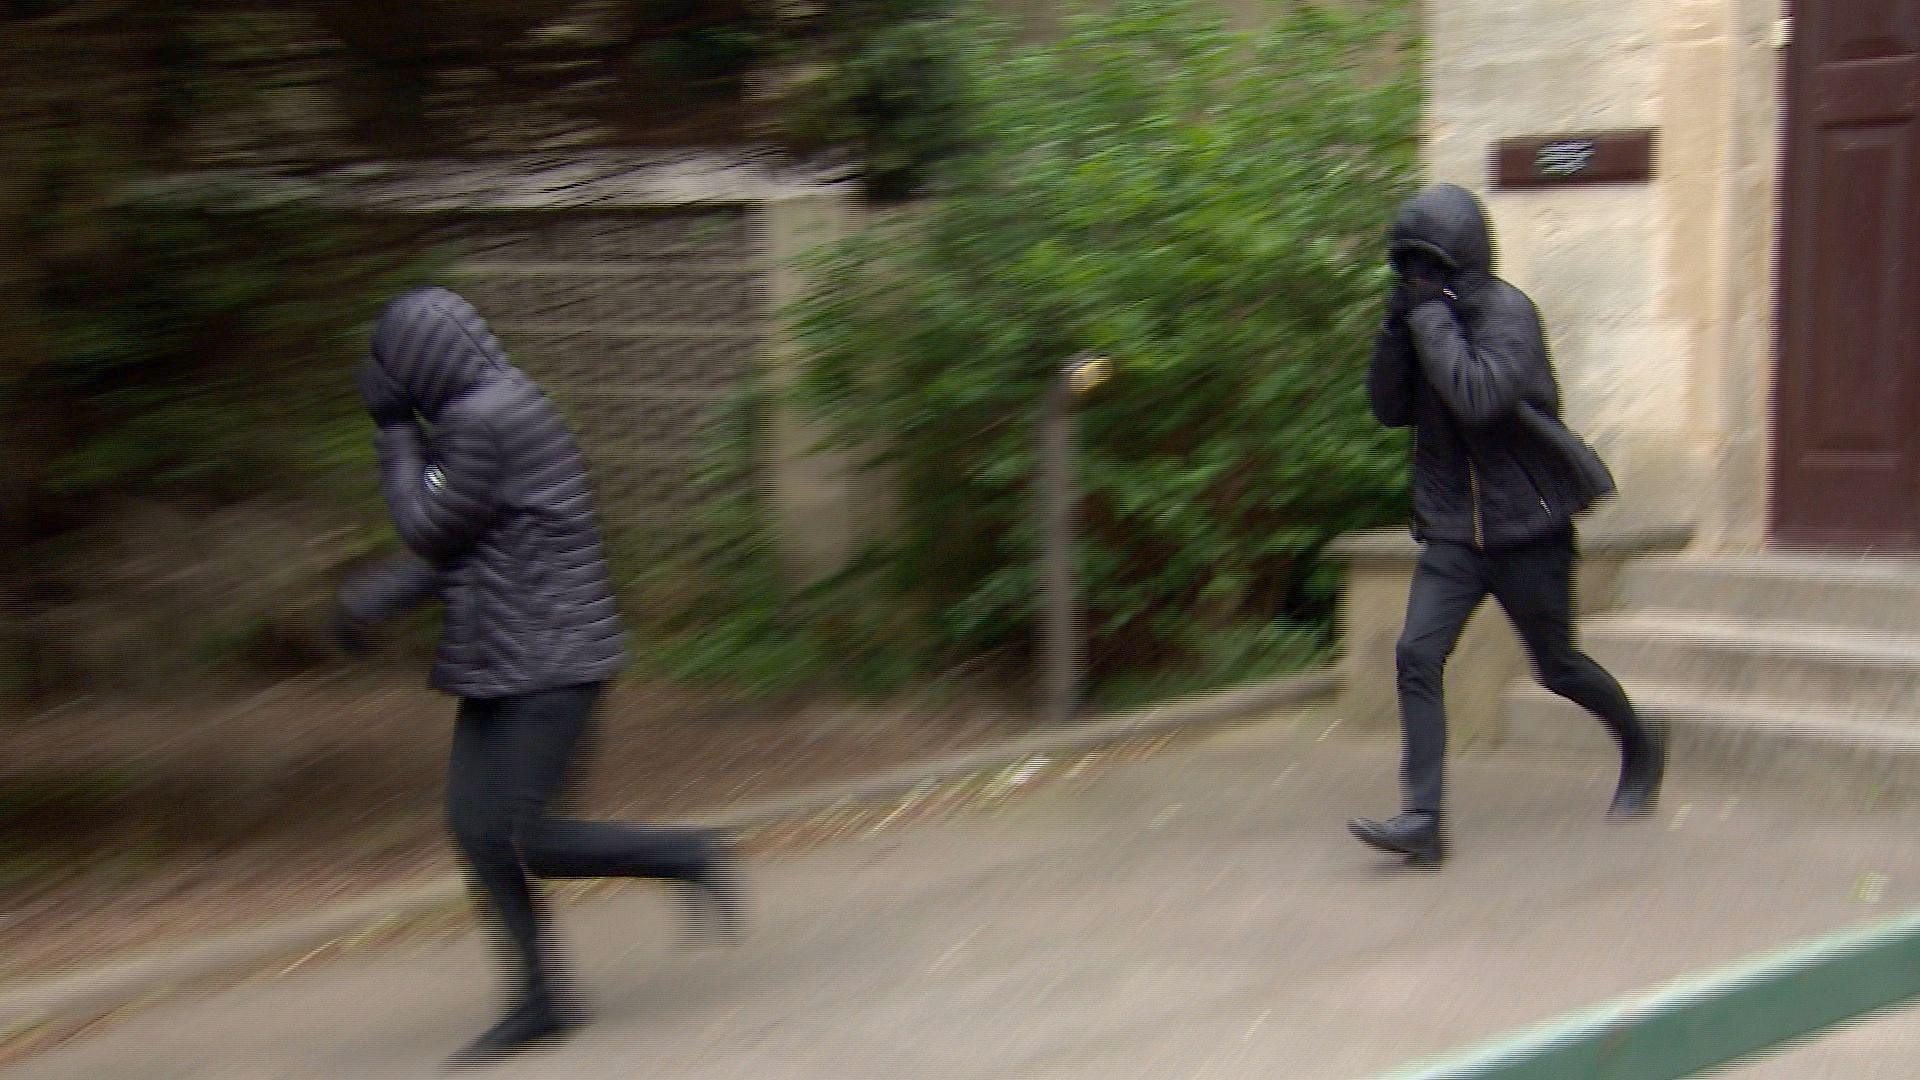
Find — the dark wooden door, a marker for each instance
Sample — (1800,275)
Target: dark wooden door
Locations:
(1847,397)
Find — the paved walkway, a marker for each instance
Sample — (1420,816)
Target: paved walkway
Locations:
(1201,914)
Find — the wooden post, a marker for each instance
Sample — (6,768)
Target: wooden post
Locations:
(1063,640)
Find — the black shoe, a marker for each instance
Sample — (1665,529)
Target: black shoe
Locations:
(535,1022)
(715,909)
(1641,775)
(1418,836)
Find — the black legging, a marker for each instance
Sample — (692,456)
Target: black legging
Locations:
(510,757)
(1535,586)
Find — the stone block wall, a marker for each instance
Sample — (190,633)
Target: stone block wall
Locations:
(639,325)
(643,293)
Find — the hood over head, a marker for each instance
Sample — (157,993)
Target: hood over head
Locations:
(435,347)
(1449,223)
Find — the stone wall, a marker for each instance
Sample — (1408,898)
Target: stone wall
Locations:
(643,293)
(638,323)
(1595,259)
(1659,297)
(1656,295)
(1749,249)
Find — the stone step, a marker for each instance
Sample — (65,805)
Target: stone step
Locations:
(1766,743)
(1844,593)
(1848,671)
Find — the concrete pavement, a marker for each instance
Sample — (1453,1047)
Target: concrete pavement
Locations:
(1198,914)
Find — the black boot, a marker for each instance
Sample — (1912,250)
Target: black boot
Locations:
(1415,834)
(1642,770)
(536,1021)
(715,909)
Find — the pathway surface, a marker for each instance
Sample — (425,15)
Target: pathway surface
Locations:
(1200,914)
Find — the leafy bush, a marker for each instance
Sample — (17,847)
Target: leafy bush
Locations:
(183,344)
(1203,205)
(197,346)
(883,82)
(724,611)
(185,457)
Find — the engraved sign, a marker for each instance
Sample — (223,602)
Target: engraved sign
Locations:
(1564,159)
(1585,157)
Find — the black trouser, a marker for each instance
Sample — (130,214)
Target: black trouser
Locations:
(510,757)
(1535,585)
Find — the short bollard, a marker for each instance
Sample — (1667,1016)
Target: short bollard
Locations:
(1063,643)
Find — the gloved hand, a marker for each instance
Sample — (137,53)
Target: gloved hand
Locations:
(1423,278)
(1399,302)
(1410,294)
(383,399)
(1421,289)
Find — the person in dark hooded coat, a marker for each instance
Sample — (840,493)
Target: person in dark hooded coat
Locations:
(489,493)
(1497,481)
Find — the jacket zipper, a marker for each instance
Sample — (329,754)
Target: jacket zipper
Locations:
(1473,492)
(1539,493)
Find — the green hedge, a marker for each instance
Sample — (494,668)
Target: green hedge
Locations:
(1206,206)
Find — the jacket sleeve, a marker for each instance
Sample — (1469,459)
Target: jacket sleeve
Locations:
(1480,376)
(1390,378)
(440,507)
(389,588)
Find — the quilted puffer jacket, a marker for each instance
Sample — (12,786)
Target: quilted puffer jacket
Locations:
(492,500)
(1469,372)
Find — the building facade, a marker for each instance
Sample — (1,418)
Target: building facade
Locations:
(1740,332)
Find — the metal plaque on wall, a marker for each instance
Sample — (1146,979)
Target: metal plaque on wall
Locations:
(1591,157)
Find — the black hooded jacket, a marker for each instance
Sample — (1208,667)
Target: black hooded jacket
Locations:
(1471,375)
(493,501)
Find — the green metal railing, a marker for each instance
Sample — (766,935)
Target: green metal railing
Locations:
(1701,1024)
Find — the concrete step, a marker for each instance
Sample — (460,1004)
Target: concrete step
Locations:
(1848,671)
(1767,743)
(1845,593)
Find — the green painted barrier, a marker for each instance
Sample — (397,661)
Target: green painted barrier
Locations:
(1703,1023)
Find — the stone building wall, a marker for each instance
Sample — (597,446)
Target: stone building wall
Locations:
(1657,296)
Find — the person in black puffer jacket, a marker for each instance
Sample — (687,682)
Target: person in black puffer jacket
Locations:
(1497,480)
(489,492)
